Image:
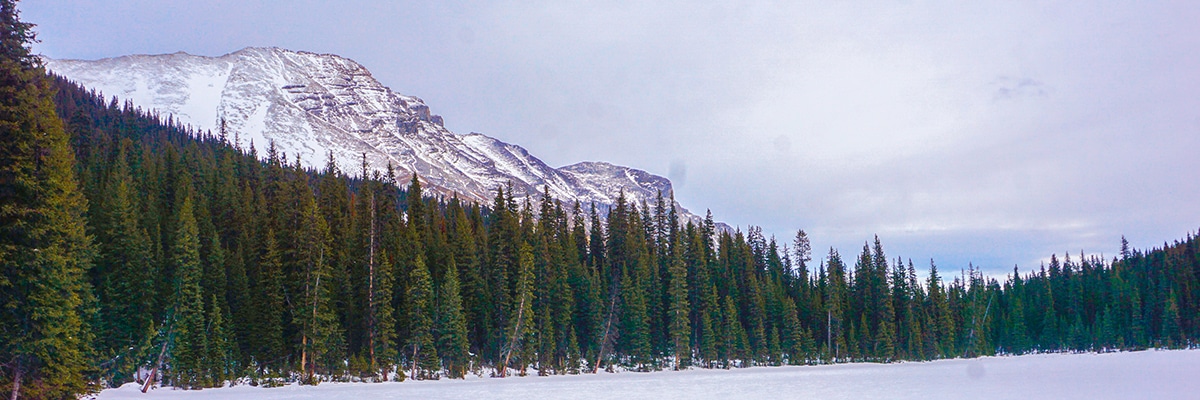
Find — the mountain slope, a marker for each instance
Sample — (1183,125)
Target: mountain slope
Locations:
(311,105)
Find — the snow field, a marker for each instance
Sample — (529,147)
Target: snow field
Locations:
(1130,375)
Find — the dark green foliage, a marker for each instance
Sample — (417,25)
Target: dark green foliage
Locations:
(452,325)
(266,328)
(190,351)
(123,274)
(635,324)
(322,343)
(537,290)
(520,332)
(1172,332)
(267,271)
(221,360)
(678,312)
(420,320)
(46,301)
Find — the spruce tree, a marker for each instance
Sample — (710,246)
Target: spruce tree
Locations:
(453,345)
(321,335)
(520,313)
(1137,321)
(1051,337)
(792,340)
(635,323)
(679,311)
(45,252)
(735,335)
(1019,338)
(708,339)
(383,321)
(190,351)
(241,308)
(885,342)
(1171,331)
(473,285)
(267,267)
(377,282)
(267,324)
(222,358)
(420,320)
(836,304)
(335,206)
(126,288)
(774,351)
(943,323)
(499,276)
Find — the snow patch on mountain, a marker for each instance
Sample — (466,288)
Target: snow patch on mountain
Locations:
(316,106)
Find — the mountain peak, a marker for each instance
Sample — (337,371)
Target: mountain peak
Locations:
(312,105)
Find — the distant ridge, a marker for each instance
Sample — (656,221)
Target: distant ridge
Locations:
(310,105)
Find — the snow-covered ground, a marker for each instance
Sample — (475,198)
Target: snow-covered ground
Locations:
(1133,375)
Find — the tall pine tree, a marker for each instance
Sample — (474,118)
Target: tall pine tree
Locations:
(45,252)
(420,320)
(189,353)
(452,325)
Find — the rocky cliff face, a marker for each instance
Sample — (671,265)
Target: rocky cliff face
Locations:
(316,106)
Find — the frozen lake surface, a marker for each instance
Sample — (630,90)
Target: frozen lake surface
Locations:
(1143,374)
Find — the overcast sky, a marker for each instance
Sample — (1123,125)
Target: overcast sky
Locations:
(988,133)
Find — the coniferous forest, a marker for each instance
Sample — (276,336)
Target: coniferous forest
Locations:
(135,249)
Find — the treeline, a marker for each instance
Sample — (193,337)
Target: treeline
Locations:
(232,267)
(171,251)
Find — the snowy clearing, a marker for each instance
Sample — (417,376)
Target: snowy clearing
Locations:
(1143,374)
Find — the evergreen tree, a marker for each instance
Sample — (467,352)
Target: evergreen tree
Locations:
(321,337)
(1171,331)
(335,206)
(885,343)
(793,335)
(189,356)
(1051,338)
(501,265)
(45,252)
(452,326)
(382,346)
(635,323)
(835,306)
(222,360)
(679,310)
(1019,338)
(125,271)
(943,323)
(735,335)
(520,328)
(1138,335)
(309,282)
(379,286)
(708,339)
(267,327)
(420,319)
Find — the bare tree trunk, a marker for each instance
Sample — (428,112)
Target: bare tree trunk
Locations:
(829,331)
(154,372)
(18,372)
(416,361)
(312,325)
(371,287)
(304,345)
(607,328)
(516,337)
(304,358)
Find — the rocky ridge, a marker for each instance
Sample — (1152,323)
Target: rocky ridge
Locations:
(315,106)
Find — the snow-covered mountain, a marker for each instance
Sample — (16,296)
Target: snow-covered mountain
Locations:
(310,105)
